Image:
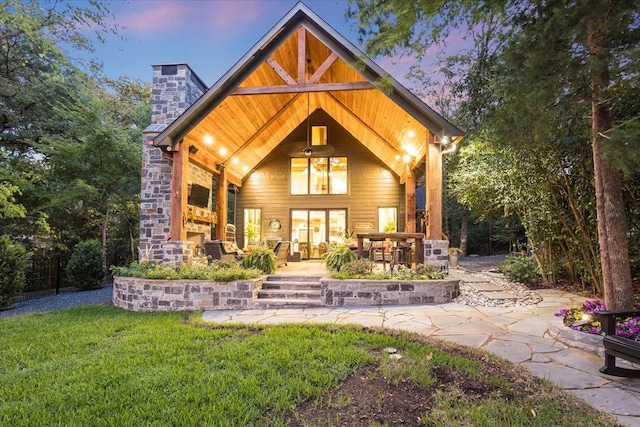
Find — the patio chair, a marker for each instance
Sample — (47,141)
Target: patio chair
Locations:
(217,249)
(282,252)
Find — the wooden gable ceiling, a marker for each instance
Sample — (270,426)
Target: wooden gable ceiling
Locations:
(301,68)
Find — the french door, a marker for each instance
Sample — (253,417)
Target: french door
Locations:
(311,227)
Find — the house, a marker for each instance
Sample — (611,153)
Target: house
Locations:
(311,138)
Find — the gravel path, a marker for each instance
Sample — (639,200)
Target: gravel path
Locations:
(58,302)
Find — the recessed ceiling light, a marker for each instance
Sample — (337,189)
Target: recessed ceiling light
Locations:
(208,140)
(223,151)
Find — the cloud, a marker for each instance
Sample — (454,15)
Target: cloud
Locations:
(147,17)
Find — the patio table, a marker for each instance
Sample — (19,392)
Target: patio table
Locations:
(394,237)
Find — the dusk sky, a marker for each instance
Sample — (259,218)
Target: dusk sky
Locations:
(209,35)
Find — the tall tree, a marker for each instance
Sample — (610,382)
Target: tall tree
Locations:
(602,35)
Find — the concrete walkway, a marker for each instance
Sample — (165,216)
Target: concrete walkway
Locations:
(519,334)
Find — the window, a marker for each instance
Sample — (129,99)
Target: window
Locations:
(387,219)
(318,135)
(252,225)
(319,175)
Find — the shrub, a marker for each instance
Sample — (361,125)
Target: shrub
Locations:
(338,256)
(421,272)
(262,258)
(216,272)
(360,267)
(86,269)
(13,262)
(520,268)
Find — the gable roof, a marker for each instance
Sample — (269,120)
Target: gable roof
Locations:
(300,65)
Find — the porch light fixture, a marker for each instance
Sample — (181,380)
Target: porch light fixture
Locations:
(446,142)
(307,151)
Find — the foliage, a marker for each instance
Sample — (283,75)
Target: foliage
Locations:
(251,232)
(13,261)
(338,256)
(86,269)
(365,269)
(8,206)
(174,369)
(520,268)
(218,271)
(581,318)
(421,272)
(529,107)
(358,267)
(389,227)
(69,142)
(262,258)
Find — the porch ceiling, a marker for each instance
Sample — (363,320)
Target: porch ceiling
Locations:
(299,68)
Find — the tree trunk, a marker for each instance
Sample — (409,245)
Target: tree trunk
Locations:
(464,232)
(612,222)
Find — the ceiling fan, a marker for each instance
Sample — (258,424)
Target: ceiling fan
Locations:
(304,148)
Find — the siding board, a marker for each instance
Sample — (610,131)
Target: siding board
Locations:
(370,185)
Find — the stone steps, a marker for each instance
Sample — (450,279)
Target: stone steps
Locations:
(289,292)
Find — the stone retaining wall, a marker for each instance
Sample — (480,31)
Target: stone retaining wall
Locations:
(343,293)
(136,294)
(177,295)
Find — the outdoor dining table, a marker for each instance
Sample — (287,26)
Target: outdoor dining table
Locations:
(394,237)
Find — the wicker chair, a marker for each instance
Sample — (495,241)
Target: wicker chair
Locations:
(215,249)
(282,252)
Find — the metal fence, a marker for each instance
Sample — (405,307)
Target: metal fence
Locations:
(45,275)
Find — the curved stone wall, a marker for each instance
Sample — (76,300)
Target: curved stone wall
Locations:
(137,294)
(177,295)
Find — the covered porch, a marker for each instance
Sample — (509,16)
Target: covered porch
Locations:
(246,134)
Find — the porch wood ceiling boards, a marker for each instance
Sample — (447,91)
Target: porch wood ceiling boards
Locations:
(264,98)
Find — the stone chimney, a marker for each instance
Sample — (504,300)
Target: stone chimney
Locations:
(175,87)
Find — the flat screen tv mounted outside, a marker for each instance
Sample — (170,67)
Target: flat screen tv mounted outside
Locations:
(198,196)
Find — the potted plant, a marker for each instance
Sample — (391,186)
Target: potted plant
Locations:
(338,256)
(251,233)
(262,258)
(454,256)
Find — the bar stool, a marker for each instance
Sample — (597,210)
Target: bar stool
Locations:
(373,250)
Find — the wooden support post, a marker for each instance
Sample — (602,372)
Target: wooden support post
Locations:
(178,229)
(222,200)
(410,201)
(433,187)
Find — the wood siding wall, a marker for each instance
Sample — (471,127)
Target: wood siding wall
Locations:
(370,185)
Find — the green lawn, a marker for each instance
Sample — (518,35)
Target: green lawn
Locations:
(100,366)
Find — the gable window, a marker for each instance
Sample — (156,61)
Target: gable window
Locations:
(318,135)
(319,175)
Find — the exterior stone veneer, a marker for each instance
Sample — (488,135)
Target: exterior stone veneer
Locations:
(137,294)
(175,87)
(177,295)
(436,252)
(354,292)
